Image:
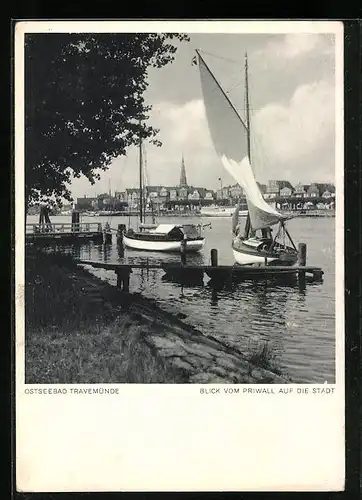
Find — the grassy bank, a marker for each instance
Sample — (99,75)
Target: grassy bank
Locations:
(79,331)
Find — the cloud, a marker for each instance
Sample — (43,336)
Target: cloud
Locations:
(297,137)
(182,125)
(297,45)
(292,140)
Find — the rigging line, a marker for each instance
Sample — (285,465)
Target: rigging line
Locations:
(221,57)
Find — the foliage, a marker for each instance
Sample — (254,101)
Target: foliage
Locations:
(84,102)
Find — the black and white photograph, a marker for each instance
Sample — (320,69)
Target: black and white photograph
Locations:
(182,199)
(180,208)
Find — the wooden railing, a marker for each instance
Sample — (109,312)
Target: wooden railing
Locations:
(84,227)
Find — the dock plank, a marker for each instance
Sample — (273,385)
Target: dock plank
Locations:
(193,267)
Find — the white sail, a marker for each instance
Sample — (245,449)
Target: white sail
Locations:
(230,138)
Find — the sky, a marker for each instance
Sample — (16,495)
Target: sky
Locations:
(292,101)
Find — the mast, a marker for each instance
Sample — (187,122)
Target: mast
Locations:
(144,182)
(247,105)
(247,110)
(141,191)
(109,195)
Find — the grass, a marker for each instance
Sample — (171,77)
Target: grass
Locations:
(80,331)
(262,355)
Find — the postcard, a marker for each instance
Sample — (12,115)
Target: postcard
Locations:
(179,227)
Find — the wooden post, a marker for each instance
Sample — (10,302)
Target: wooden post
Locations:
(119,279)
(318,275)
(126,281)
(183,251)
(120,231)
(119,237)
(214,257)
(302,254)
(302,260)
(75,220)
(123,278)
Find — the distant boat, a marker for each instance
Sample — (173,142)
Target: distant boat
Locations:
(161,237)
(110,213)
(214,211)
(231,139)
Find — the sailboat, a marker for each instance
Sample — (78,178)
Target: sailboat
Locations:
(161,237)
(231,139)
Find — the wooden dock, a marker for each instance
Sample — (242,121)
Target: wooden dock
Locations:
(218,274)
(66,233)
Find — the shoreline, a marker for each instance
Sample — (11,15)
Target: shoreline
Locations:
(92,332)
(316,213)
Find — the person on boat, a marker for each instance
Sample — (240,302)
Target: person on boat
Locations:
(267,233)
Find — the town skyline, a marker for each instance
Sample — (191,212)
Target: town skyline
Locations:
(171,196)
(292,93)
(184,175)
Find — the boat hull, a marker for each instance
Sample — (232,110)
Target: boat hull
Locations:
(163,246)
(247,257)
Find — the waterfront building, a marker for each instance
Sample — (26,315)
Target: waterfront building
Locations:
(182,193)
(274,188)
(120,195)
(300,190)
(173,194)
(194,195)
(235,192)
(285,192)
(85,203)
(313,191)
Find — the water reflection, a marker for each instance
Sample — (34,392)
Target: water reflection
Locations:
(104,252)
(188,280)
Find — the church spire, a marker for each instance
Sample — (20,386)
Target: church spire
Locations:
(183,180)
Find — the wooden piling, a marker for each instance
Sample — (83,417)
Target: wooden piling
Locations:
(302,261)
(75,220)
(121,229)
(214,257)
(183,251)
(119,279)
(302,254)
(126,282)
(318,275)
(123,278)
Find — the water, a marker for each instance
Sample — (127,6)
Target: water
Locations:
(299,325)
